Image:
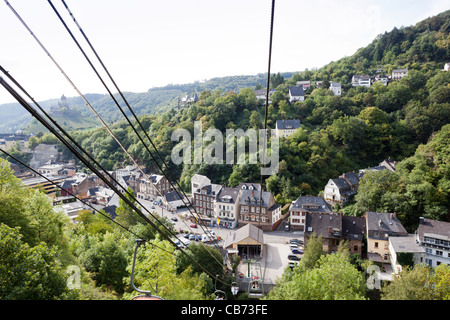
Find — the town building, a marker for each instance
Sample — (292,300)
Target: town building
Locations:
(153,187)
(247,241)
(261,95)
(405,251)
(326,225)
(9,140)
(380,227)
(434,237)
(251,201)
(354,232)
(227,207)
(204,198)
(174,200)
(303,205)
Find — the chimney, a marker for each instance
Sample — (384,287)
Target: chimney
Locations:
(421,220)
(391,216)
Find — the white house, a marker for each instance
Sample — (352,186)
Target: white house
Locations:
(398,74)
(404,251)
(303,205)
(306,84)
(446,66)
(361,80)
(296,94)
(384,79)
(342,189)
(434,237)
(336,88)
(226,207)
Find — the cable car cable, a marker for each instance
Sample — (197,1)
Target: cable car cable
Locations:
(129,107)
(39,118)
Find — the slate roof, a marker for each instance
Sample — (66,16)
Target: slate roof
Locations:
(384,222)
(335,84)
(296,91)
(172,196)
(434,229)
(341,183)
(227,193)
(351,177)
(310,204)
(324,224)
(353,228)
(251,197)
(288,124)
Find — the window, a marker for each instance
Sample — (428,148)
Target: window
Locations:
(376,245)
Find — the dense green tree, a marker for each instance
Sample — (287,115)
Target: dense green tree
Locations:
(419,283)
(30,273)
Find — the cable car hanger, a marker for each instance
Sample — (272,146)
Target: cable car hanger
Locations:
(147,295)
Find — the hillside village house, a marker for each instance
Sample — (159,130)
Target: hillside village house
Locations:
(285,128)
(380,227)
(446,66)
(336,88)
(303,205)
(361,80)
(398,74)
(296,94)
(342,189)
(434,237)
(384,79)
(305,84)
(261,94)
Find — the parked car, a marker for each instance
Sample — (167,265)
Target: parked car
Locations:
(293,257)
(174,219)
(199,237)
(293,246)
(287,227)
(298,241)
(292,264)
(192,237)
(194,225)
(297,251)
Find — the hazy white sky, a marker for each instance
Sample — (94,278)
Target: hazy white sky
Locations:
(146,43)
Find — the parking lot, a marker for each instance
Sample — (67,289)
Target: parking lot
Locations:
(276,243)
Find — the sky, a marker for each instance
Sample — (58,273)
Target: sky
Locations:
(146,43)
